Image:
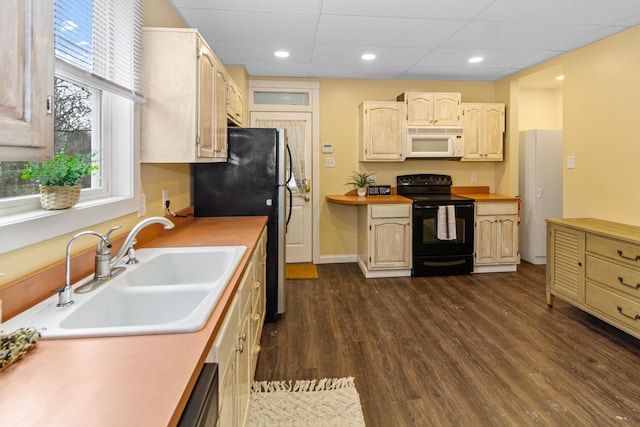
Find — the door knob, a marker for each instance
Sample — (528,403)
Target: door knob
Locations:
(307,198)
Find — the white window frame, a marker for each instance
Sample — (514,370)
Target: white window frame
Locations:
(23,222)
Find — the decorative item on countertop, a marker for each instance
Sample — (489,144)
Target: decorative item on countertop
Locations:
(15,345)
(360,180)
(58,178)
(379,190)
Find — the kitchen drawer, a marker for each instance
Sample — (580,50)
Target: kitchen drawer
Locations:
(626,253)
(623,279)
(390,211)
(493,208)
(624,310)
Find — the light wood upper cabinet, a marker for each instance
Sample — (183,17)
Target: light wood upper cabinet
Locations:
(382,131)
(484,128)
(236,103)
(184,119)
(437,109)
(26,73)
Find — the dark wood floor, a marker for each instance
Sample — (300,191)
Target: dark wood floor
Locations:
(475,350)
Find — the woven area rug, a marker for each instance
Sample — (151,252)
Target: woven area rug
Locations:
(322,403)
(301,271)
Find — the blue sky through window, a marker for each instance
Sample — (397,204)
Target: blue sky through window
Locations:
(73,32)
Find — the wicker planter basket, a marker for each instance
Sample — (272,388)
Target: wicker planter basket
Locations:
(59,197)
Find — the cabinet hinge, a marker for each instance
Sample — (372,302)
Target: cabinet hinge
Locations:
(197,140)
(49,104)
(370,228)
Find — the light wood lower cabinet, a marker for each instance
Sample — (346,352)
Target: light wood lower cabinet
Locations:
(496,237)
(237,344)
(595,266)
(384,240)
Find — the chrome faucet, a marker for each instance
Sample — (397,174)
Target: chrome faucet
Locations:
(131,237)
(64,292)
(105,266)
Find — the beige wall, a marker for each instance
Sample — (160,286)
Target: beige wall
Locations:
(601,106)
(540,109)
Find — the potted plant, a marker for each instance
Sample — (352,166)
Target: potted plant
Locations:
(360,180)
(58,178)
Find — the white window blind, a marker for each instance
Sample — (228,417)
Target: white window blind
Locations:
(99,42)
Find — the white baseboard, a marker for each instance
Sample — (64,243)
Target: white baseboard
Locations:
(338,259)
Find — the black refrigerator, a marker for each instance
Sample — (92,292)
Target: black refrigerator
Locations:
(251,183)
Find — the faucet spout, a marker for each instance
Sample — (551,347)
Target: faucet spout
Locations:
(131,237)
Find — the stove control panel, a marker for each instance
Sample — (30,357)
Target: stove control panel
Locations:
(424,179)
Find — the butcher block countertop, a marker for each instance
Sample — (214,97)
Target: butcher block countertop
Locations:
(481,194)
(369,200)
(142,380)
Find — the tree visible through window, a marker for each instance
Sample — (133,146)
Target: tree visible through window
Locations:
(73,123)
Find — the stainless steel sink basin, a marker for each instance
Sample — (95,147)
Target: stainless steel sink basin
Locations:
(170,290)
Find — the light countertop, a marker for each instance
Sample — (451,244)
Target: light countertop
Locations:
(141,380)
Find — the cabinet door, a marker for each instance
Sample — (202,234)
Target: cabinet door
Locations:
(446,109)
(226,398)
(472,116)
(220,111)
(485,239)
(565,258)
(26,73)
(206,102)
(420,107)
(492,131)
(390,243)
(382,131)
(244,367)
(507,239)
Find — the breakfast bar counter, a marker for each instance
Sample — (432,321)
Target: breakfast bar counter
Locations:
(142,380)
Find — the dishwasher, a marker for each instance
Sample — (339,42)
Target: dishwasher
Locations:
(202,408)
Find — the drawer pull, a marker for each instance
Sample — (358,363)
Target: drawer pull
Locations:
(621,280)
(637,257)
(636,317)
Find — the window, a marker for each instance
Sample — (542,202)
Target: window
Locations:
(97,85)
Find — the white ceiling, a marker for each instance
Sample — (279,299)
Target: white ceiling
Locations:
(412,39)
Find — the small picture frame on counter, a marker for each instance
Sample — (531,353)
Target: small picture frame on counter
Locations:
(379,190)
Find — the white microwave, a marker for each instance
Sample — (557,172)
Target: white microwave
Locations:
(434,143)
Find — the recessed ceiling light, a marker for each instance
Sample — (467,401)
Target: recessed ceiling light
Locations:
(560,77)
(368,56)
(282,54)
(475,59)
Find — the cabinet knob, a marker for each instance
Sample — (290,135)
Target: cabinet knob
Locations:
(255,317)
(243,337)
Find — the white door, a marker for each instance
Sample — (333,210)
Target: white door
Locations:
(298,133)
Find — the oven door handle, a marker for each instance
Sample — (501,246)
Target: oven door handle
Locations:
(437,206)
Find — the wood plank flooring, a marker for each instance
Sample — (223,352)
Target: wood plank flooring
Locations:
(473,350)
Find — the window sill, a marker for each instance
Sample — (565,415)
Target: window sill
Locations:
(27,228)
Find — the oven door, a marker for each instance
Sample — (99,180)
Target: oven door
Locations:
(437,256)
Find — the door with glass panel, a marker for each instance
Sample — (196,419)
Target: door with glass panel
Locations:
(298,135)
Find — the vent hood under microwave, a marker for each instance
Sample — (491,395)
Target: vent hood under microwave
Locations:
(434,143)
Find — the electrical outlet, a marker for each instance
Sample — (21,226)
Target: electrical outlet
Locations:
(165,197)
(474,177)
(142,206)
(330,162)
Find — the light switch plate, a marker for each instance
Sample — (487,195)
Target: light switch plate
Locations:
(330,162)
(571,162)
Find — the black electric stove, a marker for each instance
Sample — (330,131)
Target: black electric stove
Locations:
(443,225)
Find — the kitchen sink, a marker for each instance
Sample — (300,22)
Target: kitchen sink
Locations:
(170,290)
